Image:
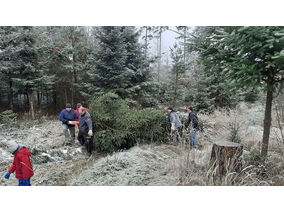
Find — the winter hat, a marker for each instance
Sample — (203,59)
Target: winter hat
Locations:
(12,146)
(68,106)
(78,105)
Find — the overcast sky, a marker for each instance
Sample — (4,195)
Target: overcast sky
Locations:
(168,40)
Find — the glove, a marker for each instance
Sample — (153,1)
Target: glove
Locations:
(173,128)
(7,176)
(90,133)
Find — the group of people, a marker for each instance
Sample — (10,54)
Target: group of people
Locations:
(69,118)
(22,165)
(176,125)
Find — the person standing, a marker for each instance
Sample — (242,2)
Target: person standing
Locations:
(192,117)
(21,164)
(175,124)
(77,110)
(68,116)
(86,129)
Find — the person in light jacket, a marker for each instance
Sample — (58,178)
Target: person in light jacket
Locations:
(175,124)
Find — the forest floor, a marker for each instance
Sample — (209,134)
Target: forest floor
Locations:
(58,164)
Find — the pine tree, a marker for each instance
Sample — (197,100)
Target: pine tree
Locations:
(176,74)
(220,92)
(8,59)
(249,57)
(68,64)
(120,65)
(20,56)
(257,60)
(158,31)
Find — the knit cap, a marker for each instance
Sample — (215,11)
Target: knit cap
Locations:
(12,146)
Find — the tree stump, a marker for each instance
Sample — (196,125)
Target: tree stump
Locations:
(225,158)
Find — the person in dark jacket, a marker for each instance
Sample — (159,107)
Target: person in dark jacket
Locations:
(68,116)
(21,164)
(175,124)
(86,129)
(77,110)
(192,122)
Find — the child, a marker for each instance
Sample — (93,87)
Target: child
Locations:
(21,164)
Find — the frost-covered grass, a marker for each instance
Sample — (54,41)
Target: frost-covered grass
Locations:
(191,168)
(57,164)
(146,165)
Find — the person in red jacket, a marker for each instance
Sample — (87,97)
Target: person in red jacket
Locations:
(21,164)
(77,110)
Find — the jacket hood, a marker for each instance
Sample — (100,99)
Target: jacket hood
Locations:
(25,151)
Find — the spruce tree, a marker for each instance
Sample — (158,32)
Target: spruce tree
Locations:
(8,59)
(249,57)
(220,92)
(20,57)
(120,65)
(176,74)
(257,61)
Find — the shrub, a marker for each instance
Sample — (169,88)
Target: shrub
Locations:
(234,132)
(118,126)
(253,158)
(7,116)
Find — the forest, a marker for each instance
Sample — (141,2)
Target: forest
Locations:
(232,76)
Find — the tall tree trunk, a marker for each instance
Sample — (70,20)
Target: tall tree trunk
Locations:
(38,99)
(10,96)
(267,120)
(55,100)
(74,68)
(184,40)
(72,95)
(27,100)
(31,101)
(159,54)
(47,99)
(66,96)
(146,42)
(176,85)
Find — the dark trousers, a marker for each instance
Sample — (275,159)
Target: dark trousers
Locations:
(86,141)
(24,182)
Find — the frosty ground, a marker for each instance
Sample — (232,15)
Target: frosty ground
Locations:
(157,164)
(58,164)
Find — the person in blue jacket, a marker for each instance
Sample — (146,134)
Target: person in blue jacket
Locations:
(68,116)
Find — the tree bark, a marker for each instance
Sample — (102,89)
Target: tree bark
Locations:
(10,96)
(225,158)
(184,41)
(66,98)
(267,120)
(31,101)
(160,54)
(175,90)
(55,100)
(146,42)
(38,99)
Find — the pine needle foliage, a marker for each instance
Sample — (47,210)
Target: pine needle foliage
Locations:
(119,126)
